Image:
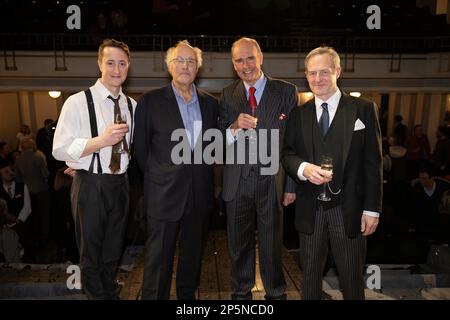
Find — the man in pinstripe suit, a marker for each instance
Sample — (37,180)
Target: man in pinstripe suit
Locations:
(347,129)
(249,195)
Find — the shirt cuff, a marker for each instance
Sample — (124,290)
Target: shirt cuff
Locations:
(76,149)
(231,135)
(300,171)
(371,213)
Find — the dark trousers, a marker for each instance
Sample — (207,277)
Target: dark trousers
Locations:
(100,204)
(160,250)
(349,255)
(255,200)
(40,204)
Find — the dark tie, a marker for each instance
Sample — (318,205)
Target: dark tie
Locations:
(324,121)
(115,155)
(10,191)
(252,99)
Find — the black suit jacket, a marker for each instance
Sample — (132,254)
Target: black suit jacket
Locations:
(168,185)
(362,162)
(278,99)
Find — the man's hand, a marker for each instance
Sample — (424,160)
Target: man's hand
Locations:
(244,121)
(70,172)
(316,175)
(368,224)
(113,134)
(11,225)
(288,198)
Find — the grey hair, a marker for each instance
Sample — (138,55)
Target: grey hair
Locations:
(324,50)
(172,50)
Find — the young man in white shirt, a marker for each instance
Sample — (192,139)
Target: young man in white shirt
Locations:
(100,190)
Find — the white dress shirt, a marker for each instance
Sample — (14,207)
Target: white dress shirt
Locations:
(259,85)
(333,103)
(73,130)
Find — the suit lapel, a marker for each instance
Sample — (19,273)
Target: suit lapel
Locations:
(240,98)
(349,111)
(307,123)
(203,110)
(268,104)
(173,109)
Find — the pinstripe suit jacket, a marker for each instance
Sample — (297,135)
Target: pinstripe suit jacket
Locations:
(278,99)
(362,166)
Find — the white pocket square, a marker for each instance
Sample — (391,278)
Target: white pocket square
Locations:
(359,125)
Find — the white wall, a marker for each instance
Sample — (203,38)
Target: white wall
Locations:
(24,107)
(419,91)
(418,72)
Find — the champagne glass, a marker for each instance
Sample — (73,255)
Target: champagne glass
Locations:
(120,118)
(326,163)
(253,114)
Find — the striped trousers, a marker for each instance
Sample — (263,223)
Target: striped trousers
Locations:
(255,202)
(349,255)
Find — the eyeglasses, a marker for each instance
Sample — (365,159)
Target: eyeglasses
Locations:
(322,73)
(180,61)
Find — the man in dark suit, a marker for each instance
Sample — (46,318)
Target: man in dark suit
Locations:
(250,193)
(345,128)
(177,197)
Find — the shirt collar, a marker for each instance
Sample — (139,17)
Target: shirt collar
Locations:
(6,187)
(259,84)
(104,92)
(430,192)
(194,93)
(332,102)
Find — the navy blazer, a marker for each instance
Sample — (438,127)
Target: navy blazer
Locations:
(168,185)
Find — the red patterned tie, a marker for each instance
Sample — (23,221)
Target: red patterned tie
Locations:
(252,100)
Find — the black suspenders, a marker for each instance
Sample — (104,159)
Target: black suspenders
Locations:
(94,129)
(130,108)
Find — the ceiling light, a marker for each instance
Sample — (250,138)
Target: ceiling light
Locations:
(54,94)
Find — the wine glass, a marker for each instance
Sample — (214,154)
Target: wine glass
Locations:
(253,131)
(326,163)
(120,118)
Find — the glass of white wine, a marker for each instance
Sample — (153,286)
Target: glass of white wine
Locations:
(120,118)
(253,134)
(326,163)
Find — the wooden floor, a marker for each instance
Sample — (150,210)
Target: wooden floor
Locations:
(39,281)
(215,276)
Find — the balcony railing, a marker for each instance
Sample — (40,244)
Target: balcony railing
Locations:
(152,42)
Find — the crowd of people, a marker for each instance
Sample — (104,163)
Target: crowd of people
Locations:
(33,196)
